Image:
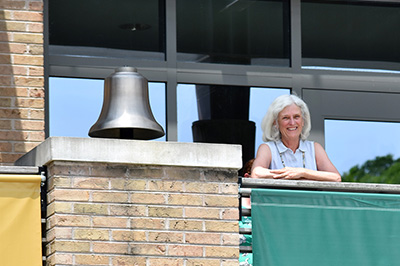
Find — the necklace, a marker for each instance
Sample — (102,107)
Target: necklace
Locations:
(283,162)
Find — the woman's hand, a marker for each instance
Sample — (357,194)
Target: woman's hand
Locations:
(288,173)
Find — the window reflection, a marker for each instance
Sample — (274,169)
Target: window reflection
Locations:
(350,143)
(234,32)
(259,101)
(360,34)
(129,26)
(75,105)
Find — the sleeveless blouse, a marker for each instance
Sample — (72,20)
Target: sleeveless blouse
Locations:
(292,159)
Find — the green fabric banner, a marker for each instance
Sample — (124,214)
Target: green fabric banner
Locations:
(307,228)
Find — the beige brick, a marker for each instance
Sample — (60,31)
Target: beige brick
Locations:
(230,239)
(16,48)
(166,237)
(36,114)
(36,92)
(203,238)
(29,125)
(5,124)
(127,210)
(90,183)
(5,102)
(110,197)
(201,212)
(36,6)
(108,221)
(201,187)
(147,223)
(59,207)
(91,234)
(35,71)
(148,249)
(90,208)
(59,182)
(204,262)
(28,16)
(35,27)
(221,226)
(13,26)
(229,189)
(110,247)
(182,199)
(161,185)
(70,220)
(29,81)
(25,146)
(185,250)
(9,158)
(19,92)
(36,49)
(230,214)
(229,262)
(35,136)
(128,184)
(69,195)
(128,235)
(128,261)
(147,198)
(70,246)
(222,252)
(59,233)
(5,59)
(5,146)
(186,225)
(60,259)
(12,4)
(6,80)
(85,259)
(165,212)
(29,102)
(13,135)
(221,201)
(165,262)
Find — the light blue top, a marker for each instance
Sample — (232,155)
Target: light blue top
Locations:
(292,159)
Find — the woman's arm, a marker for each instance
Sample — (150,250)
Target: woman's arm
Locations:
(261,163)
(326,171)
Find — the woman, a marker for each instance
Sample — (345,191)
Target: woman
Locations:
(287,154)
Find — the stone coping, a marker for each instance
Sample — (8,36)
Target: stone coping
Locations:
(248,183)
(134,152)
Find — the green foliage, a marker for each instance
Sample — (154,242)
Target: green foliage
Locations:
(383,169)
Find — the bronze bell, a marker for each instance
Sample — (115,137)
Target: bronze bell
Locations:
(126,112)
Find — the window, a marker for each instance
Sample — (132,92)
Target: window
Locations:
(233,32)
(350,143)
(75,105)
(360,34)
(259,101)
(101,28)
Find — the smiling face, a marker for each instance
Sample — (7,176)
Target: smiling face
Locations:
(290,122)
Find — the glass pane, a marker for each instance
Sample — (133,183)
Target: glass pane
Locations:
(245,32)
(360,34)
(352,143)
(120,24)
(259,100)
(75,105)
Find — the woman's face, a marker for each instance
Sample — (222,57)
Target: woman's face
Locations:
(290,122)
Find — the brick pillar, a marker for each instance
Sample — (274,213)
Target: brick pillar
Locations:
(21,78)
(140,203)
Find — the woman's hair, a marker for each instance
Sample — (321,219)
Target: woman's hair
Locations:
(271,131)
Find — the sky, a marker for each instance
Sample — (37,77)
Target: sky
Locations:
(75,105)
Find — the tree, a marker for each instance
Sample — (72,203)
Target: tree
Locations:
(383,169)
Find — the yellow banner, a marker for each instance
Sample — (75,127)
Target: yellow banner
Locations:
(20,221)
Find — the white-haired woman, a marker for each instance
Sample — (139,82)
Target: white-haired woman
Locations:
(287,154)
